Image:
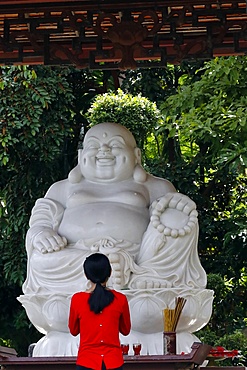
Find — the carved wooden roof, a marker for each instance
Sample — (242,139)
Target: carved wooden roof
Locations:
(117,34)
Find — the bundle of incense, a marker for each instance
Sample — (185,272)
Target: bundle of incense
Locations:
(171,316)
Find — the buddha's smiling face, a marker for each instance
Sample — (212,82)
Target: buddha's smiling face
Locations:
(109,153)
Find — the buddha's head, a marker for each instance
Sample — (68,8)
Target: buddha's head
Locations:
(109,153)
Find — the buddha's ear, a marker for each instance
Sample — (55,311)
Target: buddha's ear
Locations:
(75,174)
(139,175)
(138,155)
(79,155)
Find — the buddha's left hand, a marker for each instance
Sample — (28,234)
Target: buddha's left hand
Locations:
(174,215)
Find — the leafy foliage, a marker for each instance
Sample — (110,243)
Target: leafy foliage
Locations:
(137,113)
(210,115)
(157,84)
(35,127)
(228,310)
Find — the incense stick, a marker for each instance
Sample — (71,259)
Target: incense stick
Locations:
(171,316)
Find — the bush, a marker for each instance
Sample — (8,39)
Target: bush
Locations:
(138,114)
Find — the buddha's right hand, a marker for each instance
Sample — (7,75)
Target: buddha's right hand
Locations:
(48,241)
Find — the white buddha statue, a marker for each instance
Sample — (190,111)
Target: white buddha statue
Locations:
(149,231)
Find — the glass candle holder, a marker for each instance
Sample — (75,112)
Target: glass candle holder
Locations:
(137,349)
(125,348)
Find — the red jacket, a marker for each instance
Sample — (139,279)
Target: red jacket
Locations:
(99,333)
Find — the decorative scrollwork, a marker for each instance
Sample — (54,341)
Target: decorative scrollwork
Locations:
(127,35)
(130,35)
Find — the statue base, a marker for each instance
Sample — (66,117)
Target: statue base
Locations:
(49,314)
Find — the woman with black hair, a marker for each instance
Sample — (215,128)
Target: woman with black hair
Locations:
(99,314)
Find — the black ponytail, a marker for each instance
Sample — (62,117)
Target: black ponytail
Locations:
(98,269)
(100,298)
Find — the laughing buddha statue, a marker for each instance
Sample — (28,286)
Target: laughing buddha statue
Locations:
(149,231)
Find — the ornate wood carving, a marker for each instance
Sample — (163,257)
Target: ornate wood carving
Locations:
(120,35)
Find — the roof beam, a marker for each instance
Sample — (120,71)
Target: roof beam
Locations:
(120,34)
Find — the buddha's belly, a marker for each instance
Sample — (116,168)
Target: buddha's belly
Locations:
(99,220)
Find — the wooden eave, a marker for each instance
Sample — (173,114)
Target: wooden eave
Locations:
(120,34)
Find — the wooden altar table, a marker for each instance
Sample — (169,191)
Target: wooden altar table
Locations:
(189,361)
